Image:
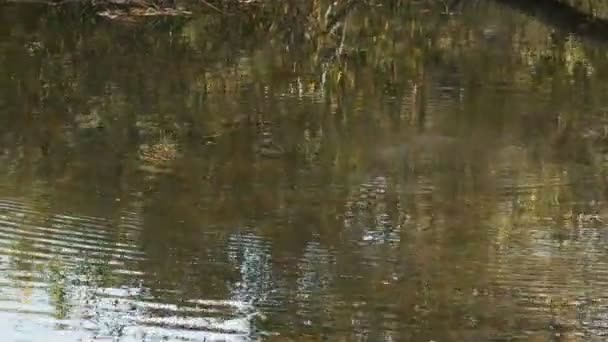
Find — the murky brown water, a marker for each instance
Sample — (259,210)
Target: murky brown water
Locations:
(444,179)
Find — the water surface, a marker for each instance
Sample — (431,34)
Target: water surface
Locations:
(442,179)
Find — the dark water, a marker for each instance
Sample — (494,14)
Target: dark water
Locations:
(223,179)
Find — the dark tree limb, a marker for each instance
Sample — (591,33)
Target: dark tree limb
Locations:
(563,17)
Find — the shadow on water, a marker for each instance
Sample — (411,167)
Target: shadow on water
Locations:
(434,176)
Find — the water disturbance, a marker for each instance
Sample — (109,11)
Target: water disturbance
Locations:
(427,172)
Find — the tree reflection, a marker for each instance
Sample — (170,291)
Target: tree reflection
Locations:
(414,176)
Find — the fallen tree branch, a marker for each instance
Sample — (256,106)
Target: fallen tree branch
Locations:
(563,17)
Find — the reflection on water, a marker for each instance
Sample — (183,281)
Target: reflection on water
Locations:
(440,178)
(76,278)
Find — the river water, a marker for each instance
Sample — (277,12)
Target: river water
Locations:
(438,175)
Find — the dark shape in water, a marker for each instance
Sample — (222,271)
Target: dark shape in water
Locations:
(266,147)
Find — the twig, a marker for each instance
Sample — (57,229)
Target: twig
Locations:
(206,3)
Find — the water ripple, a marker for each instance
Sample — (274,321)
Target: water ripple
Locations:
(58,274)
